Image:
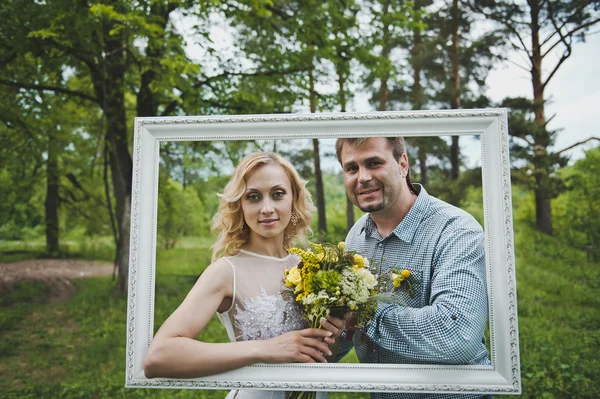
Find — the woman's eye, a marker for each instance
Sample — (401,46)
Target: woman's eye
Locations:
(253,197)
(278,194)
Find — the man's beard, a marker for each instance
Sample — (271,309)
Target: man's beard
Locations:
(372,207)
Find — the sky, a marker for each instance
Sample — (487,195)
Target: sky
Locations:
(573,94)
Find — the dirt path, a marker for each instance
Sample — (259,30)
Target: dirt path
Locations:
(57,274)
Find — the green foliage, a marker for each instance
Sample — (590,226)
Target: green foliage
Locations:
(536,166)
(284,49)
(180,213)
(78,347)
(576,212)
(78,247)
(25,291)
(461,192)
(558,320)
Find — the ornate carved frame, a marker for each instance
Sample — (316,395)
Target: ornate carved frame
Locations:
(502,377)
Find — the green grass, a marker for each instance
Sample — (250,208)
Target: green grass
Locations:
(559,318)
(102,249)
(77,349)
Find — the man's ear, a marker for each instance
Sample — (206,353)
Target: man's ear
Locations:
(403,163)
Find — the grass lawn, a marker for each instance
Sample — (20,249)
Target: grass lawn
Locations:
(76,349)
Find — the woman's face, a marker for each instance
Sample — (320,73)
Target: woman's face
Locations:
(267,201)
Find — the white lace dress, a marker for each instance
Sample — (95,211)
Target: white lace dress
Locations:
(258,310)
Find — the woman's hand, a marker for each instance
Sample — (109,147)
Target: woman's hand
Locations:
(304,346)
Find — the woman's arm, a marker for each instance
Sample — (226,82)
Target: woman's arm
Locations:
(176,353)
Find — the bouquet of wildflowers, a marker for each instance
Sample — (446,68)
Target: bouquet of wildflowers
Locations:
(332,280)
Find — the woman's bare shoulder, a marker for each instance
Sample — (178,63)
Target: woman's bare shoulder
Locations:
(219,274)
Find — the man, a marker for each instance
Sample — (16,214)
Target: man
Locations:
(443,321)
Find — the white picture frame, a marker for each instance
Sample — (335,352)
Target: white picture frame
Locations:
(502,377)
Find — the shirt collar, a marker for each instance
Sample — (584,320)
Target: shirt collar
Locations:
(407,228)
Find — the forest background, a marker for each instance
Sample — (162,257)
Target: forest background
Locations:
(75,74)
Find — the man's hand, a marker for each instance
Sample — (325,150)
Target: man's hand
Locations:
(334,325)
(337,325)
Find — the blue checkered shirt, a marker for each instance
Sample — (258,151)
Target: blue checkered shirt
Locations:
(443,323)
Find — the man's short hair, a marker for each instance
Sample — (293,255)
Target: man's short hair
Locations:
(397,144)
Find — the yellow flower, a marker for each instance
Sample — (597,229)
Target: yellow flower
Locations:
(293,276)
(319,248)
(405,273)
(342,245)
(397,279)
(359,261)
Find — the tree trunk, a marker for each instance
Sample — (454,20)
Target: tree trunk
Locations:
(417,98)
(455,86)
(342,96)
(51,202)
(146,102)
(118,144)
(320,193)
(385,55)
(543,210)
(417,64)
(543,217)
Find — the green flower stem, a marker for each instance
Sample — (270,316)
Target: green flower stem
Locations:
(302,395)
(411,292)
(315,323)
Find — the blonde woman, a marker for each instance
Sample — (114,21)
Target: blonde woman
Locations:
(264,208)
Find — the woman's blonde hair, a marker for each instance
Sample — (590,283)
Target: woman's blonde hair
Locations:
(228,222)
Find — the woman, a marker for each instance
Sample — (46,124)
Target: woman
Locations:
(263,210)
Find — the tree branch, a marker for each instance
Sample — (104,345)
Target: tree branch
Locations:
(525,139)
(169,108)
(518,65)
(548,121)
(508,23)
(571,33)
(562,59)
(272,72)
(577,144)
(565,22)
(31,86)
(563,39)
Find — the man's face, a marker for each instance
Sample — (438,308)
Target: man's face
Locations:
(374,180)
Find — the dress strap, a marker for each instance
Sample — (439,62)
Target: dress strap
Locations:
(233,293)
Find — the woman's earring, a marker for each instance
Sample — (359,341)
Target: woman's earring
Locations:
(294,218)
(243,225)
